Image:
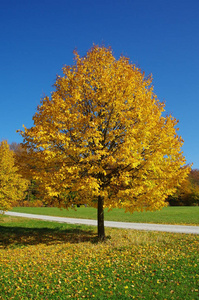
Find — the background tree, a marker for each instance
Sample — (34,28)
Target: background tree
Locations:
(188,192)
(22,161)
(102,138)
(12,184)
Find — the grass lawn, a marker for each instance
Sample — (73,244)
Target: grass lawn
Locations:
(48,260)
(188,215)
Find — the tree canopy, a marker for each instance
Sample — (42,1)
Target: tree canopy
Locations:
(101,138)
(12,185)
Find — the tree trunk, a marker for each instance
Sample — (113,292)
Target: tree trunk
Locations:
(100,215)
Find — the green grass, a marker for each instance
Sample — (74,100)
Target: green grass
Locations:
(169,215)
(48,260)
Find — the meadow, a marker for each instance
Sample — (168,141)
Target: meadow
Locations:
(182,215)
(48,260)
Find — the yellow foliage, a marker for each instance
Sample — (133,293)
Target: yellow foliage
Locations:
(12,185)
(102,134)
(188,192)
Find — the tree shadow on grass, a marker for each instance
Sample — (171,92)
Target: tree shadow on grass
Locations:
(11,237)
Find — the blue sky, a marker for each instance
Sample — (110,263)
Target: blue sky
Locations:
(160,36)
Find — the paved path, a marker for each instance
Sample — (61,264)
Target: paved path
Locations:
(137,226)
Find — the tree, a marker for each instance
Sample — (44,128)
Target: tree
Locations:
(22,164)
(12,185)
(101,138)
(188,192)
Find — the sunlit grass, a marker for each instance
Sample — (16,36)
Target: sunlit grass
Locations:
(168,215)
(47,260)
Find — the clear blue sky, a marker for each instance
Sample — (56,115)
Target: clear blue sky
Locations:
(38,37)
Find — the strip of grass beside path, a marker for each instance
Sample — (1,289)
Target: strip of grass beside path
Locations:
(182,215)
(47,260)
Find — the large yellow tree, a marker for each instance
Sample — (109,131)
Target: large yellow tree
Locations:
(101,138)
(12,184)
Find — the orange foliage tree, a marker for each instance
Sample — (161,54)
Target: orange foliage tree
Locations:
(12,184)
(188,192)
(22,163)
(101,138)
